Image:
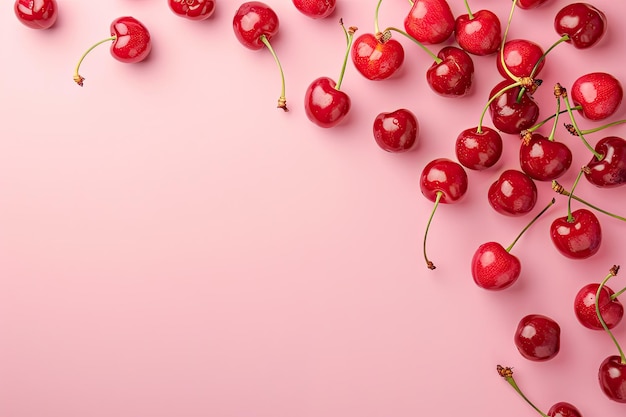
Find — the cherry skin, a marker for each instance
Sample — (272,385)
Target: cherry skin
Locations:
(376,58)
(510,115)
(563,409)
(396,131)
(430,21)
(520,57)
(453,76)
(324,104)
(583,23)
(252,20)
(478,150)
(480,34)
(612,378)
(132,40)
(529,4)
(611,310)
(538,337)
(598,93)
(193,9)
(495,268)
(543,159)
(513,193)
(315,9)
(578,237)
(610,170)
(36,14)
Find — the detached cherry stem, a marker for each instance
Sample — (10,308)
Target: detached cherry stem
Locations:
(612,272)
(561,190)
(282,101)
(349,37)
(576,129)
(507,374)
(510,247)
(78,79)
(429,264)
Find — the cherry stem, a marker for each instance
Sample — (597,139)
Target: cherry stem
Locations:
(599,128)
(574,124)
(491,99)
(469,11)
(429,264)
(282,101)
(570,218)
(77,77)
(421,45)
(556,119)
(617,294)
(506,32)
(612,273)
(507,374)
(349,37)
(376,27)
(561,190)
(529,224)
(546,120)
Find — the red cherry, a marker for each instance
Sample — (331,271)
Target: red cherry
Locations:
(396,131)
(193,9)
(40,14)
(324,104)
(452,74)
(494,268)
(583,23)
(513,193)
(543,159)
(315,9)
(577,236)
(529,4)
(430,21)
(611,309)
(538,337)
(253,21)
(612,378)
(563,409)
(478,150)
(479,33)
(520,57)
(507,113)
(377,58)
(610,170)
(598,93)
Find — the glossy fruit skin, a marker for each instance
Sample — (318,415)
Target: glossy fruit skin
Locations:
(610,171)
(481,35)
(193,9)
(520,57)
(324,104)
(611,310)
(493,268)
(513,193)
(600,95)
(583,23)
(563,409)
(529,4)
(538,337)
(396,131)
(612,378)
(478,151)
(508,115)
(252,20)
(36,14)
(375,59)
(132,40)
(543,159)
(445,176)
(578,239)
(452,77)
(315,9)
(430,21)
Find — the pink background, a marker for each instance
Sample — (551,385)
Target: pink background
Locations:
(171,244)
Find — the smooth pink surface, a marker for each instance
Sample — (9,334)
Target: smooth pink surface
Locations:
(172,245)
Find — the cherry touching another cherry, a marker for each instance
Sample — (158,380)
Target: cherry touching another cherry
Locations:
(442,181)
(522,58)
(430,21)
(130,43)
(452,74)
(513,193)
(508,113)
(583,24)
(538,337)
(396,131)
(193,9)
(315,9)
(478,33)
(36,14)
(611,309)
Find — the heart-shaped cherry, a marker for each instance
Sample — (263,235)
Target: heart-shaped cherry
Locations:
(513,194)
(598,95)
(478,148)
(130,43)
(583,24)
(442,181)
(430,21)
(522,57)
(452,74)
(478,33)
(577,235)
(40,14)
(193,9)
(542,158)
(396,131)
(611,308)
(315,9)
(609,170)
(376,57)
(508,114)
(538,337)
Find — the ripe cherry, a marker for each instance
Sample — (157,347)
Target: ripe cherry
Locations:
(513,194)
(577,235)
(598,95)
(611,308)
(509,114)
(396,131)
(452,74)
(130,43)
(478,148)
(522,57)
(193,9)
(315,9)
(376,57)
(542,158)
(430,21)
(583,24)
(609,170)
(40,14)
(538,337)
(478,33)
(529,4)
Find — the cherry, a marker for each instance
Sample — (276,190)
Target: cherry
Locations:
(509,114)
(396,131)
(538,337)
(36,14)
(430,21)
(598,95)
(478,148)
(193,9)
(494,267)
(609,169)
(563,409)
(577,235)
(442,181)
(513,194)
(583,24)
(315,9)
(530,4)
(523,58)
(478,33)
(452,74)
(544,159)
(131,43)
(611,308)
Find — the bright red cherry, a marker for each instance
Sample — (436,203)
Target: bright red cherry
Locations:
(131,43)
(543,159)
(193,9)
(612,378)
(583,23)
(577,236)
(36,14)
(452,74)
(396,131)
(611,308)
(538,337)
(478,33)
(598,93)
(430,21)
(376,57)
(507,113)
(610,170)
(513,193)
(315,9)
(478,149)
(529,4)
(520,57)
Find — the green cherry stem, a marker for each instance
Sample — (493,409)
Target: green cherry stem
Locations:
(507,374)
(561,190)
(577,130)
(612,273)
(595,129)
(617,294)
(349,37)
(78,79)
(429,264)
(376,27)
(282,101)
(469,10)
(491,99)
(510,247)
(504,37)
(421,45)
(570,218)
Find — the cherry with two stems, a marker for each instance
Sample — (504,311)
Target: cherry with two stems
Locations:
(396,131)
(478,33)
(315,9)
(130,43)
(430,21)
(193,9)
(41,14)
(324,102)
(496,268)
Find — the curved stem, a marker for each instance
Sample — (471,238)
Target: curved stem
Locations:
(429,264)
(506,32)
(349,37)
(78,79)
(376,27)
(570,218)
(428,51)
(507,374)
(559,189)
(542,58)
(508,249)
(556,119)
(612,273)
(575,125)
(282,101)
(491,99)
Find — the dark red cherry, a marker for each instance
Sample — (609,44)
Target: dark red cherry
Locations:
(513,193)
(520,57)
(529,4)
(578,236)
(478,150)
(430,21)
(193,9)
(40,14)
(612,378)
(507,113)
(377,58)
(583,23)
(611,309)
(610,170)
(563,409)
(478,34)
(538,337)
(396,131)
(598,93)
(543,159)
(325,105)
(453,76)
